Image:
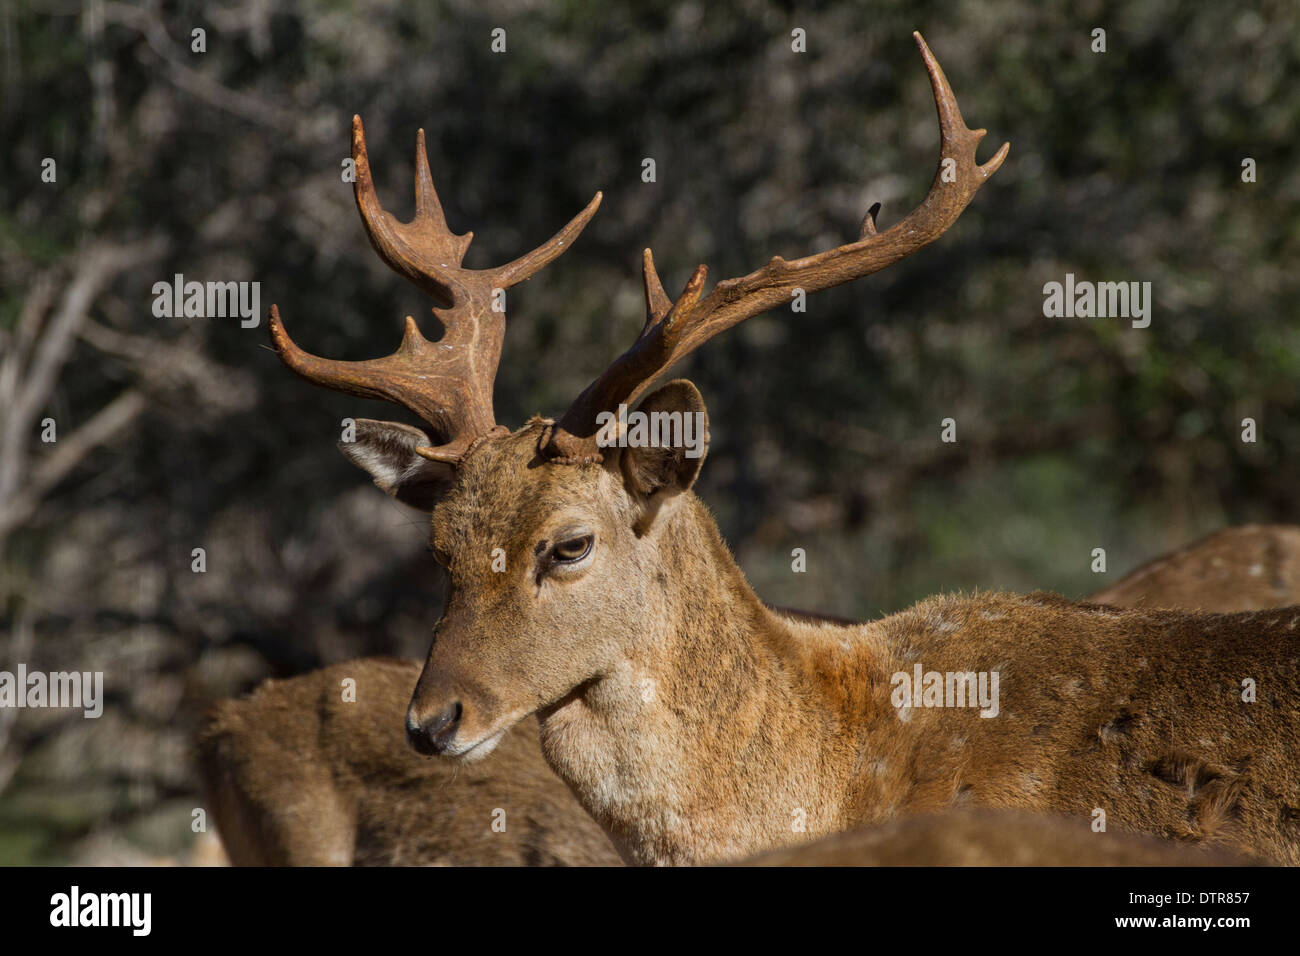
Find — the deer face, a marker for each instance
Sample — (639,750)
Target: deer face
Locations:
(551,568)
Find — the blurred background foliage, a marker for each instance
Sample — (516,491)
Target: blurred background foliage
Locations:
(225,165)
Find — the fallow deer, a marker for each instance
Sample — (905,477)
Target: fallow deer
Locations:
(296,775)
(692,722)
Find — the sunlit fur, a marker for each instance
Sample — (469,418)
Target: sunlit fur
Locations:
(695,724)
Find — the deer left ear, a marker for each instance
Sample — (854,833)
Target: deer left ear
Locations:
(387,451)
(666,448)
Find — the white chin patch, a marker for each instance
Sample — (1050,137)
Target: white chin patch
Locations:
(478,751)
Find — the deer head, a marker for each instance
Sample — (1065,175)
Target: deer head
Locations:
(558,547)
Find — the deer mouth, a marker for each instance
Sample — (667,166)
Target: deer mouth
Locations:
(473,751)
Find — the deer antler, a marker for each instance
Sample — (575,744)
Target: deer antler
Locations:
(675,329)
(448,382)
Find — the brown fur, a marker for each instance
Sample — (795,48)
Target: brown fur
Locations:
(302,806)
(992,838)
(1218,571)
(1247,568)
(694,723)
(294,776)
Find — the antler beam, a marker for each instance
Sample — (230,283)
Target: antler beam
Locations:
(675,329)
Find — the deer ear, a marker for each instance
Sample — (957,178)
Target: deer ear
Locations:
(677,419)
(387,451)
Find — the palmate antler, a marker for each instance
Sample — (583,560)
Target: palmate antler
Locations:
(448,383)
(675,329)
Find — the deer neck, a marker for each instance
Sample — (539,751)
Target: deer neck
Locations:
(696,746)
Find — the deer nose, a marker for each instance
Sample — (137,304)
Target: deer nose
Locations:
(433,736)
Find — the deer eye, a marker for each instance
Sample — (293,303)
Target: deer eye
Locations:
(572,549)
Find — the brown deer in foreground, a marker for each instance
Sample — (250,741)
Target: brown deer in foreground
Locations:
(692,722)
(992,838)
(295,775)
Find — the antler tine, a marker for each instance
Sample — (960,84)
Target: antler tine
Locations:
(657,302)
(427,252)
(424,249)
(526,266)
(448,383)
(673,332)
(437,388)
